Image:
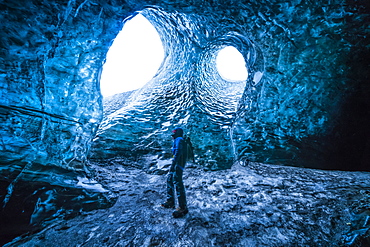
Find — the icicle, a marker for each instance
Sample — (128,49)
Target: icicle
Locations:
(80,7)
(11,185)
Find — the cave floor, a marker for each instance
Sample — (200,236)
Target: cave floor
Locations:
(257,205)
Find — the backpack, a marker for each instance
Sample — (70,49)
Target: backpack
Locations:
(188,150)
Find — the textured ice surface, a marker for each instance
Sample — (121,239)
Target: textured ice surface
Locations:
(187,91)
(258,205)
(297,109)
(305,102)
(287,112)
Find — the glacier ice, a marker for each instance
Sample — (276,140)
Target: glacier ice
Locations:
(305,102)
(187,91)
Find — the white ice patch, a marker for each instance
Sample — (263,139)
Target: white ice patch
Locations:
(166,124)
(257,77)
(90,185)
(184,120)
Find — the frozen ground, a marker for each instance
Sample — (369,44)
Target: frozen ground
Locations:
(257,205)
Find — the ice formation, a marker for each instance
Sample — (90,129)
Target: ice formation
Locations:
(305,102)
(187,91)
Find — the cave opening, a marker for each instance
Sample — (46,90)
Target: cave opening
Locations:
(231,64)
(309,108)
(134,57)
(202,78)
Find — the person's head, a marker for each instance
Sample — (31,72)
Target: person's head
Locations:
(177,132)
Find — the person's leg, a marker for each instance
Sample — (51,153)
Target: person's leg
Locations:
(170,191)
(180,189)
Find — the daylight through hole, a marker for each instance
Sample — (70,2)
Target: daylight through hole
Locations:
(133,59)
(230,64)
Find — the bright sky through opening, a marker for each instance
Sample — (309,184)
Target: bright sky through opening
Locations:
(133,59)
(230,64)
(137,53)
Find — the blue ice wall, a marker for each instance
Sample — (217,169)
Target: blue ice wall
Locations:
(291,110)
(187,91)
(311,107)
(305,102)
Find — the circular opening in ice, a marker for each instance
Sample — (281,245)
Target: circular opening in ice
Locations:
(231,65)
(133,59)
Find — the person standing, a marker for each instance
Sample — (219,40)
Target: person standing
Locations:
(174,177)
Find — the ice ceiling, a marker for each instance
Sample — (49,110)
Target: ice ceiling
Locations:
(187,91)
(305,102)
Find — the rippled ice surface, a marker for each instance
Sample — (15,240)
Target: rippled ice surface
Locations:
(187,92)
(290,110)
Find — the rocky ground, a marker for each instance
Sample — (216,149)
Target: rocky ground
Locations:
(254,205)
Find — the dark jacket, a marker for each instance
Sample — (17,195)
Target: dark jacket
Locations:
(178,151)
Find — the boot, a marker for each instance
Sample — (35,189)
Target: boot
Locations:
(180,212)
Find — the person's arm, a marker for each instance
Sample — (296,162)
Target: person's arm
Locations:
(177,150)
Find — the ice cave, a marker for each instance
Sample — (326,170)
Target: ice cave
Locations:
(302,109)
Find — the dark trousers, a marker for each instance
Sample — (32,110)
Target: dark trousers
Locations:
(174,181)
